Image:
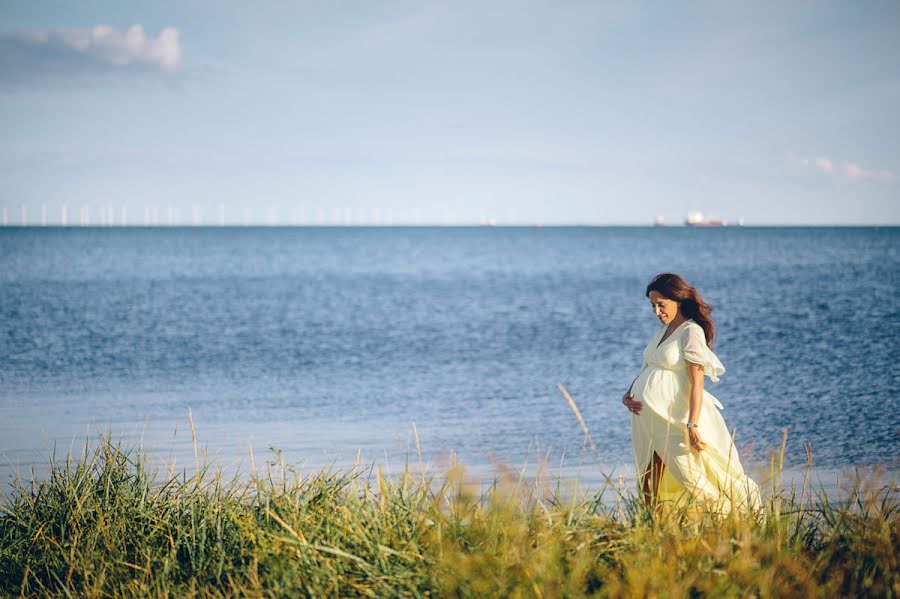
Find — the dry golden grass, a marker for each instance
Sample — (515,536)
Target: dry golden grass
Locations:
(105,524)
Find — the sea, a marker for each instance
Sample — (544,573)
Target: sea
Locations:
(330,347)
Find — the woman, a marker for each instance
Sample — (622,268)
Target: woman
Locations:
(679,438)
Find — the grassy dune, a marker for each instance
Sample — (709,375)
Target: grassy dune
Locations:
(105,524)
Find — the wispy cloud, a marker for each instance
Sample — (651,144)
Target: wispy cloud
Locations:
(847,171)
(65,53)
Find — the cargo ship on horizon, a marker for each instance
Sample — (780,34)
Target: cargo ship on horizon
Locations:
(697,219)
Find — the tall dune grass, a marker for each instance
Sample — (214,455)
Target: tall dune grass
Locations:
(104,523)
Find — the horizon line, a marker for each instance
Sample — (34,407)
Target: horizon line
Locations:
(435,225)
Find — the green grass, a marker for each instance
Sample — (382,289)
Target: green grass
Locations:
(106,524)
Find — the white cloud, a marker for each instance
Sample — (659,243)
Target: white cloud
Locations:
(101,46)
(847,171)
(824,165)
(855,172)
(131,46)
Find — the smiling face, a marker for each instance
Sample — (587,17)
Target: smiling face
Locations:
(665,309)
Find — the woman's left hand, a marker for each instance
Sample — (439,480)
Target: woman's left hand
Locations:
(696,440)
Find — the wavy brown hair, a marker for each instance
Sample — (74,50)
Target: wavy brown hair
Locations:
(673,287)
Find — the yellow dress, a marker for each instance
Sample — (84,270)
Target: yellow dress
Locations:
(713,476)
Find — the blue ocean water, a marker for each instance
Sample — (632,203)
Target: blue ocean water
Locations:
(326,342)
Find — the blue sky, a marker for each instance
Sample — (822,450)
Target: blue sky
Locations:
(449,112)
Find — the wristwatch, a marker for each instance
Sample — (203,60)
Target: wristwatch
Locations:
(691,425)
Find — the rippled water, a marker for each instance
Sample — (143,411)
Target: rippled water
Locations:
(326,341)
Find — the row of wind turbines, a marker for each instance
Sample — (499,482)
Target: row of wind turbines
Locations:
(110,215)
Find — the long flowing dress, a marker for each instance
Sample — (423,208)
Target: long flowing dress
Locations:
(713,476)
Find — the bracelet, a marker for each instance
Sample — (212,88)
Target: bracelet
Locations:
(691,425)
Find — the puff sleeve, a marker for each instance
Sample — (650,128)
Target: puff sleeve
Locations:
(695,350)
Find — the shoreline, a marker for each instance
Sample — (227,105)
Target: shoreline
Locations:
(583,475)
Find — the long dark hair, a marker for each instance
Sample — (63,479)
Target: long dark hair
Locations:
(673,287)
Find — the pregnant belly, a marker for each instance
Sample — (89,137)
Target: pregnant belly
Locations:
(640,384)
(659,387)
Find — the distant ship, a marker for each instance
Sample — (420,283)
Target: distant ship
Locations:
(696,219)
(660,221)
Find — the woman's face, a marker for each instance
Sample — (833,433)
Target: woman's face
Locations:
(664,308)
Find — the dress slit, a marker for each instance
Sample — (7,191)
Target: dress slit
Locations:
(653,475)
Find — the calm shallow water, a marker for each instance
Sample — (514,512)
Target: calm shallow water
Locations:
(325,341)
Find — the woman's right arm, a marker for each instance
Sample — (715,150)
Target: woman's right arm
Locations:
(628,399)
(635,378)
(631,386)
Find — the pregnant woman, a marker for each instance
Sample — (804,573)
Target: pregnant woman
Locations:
(679,438)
